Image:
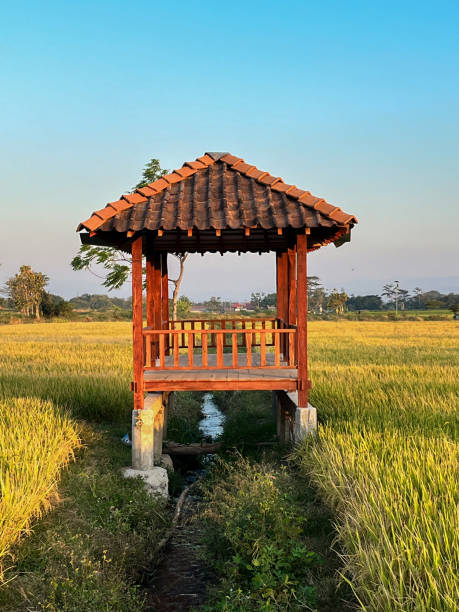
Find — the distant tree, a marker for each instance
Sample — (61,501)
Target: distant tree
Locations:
(316,294)
(183,307)
(364,302)
(256,299)
(269,300)
(337,301)
(404,296)
(394,293)
(215,305)
(117,264)
(389,292)
(417,291)
(26,290)
(55,306)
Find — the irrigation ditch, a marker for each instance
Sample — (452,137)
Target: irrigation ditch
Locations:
(248,533)
(180,582)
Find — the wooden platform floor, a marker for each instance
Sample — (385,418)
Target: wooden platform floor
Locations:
(211,378)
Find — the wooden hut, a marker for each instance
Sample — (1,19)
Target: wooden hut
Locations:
(218,204)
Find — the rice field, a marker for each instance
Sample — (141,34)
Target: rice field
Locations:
(386,459)
(36,441)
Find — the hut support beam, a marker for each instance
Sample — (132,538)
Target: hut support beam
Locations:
(292,288)
(165,298)
(302,319)
(154,290)
(137,316)
(282,292)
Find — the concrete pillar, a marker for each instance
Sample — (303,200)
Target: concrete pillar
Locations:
(158,434)
(294,422)
(142,439)
(305,422)
(147,432)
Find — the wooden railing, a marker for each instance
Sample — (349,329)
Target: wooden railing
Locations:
(224,324)
(205,347)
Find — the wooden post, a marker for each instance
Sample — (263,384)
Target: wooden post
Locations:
(149,269)
(137,316)
(282,294)
(157,286)
(292,280)
(282,277)
(165,298)
(302,308)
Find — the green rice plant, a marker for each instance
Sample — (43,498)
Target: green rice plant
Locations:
(36,441)
(386,459)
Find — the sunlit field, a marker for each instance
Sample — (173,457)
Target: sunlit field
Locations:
(386,459)
(85,367)
(36,441)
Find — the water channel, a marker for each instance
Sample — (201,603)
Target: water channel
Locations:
(211,425)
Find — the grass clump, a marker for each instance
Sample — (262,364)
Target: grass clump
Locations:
(255,537)
(98,545)
(249,418)
(36,441)
(184,417)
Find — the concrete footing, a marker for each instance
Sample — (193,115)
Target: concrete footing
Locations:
(293,422)
(156,479)
(305,422)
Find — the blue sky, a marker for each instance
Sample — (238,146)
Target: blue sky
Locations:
(357,102)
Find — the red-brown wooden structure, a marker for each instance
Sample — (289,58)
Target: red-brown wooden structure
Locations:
(218,203)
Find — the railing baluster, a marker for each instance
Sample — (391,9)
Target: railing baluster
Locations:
(234,349)
(248,341)
(204,350)
(162,338)
(147,351)
(276,337)
(219,350)
(291,347)
(223,326)
(262,348)
(190,337)
(176,350)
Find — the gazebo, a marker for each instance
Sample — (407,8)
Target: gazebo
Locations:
(218,204)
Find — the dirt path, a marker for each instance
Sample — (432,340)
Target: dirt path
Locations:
(182,576)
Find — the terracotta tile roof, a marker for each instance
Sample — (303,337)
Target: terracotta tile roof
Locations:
(218,191)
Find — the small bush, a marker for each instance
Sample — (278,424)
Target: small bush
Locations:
(254,534)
